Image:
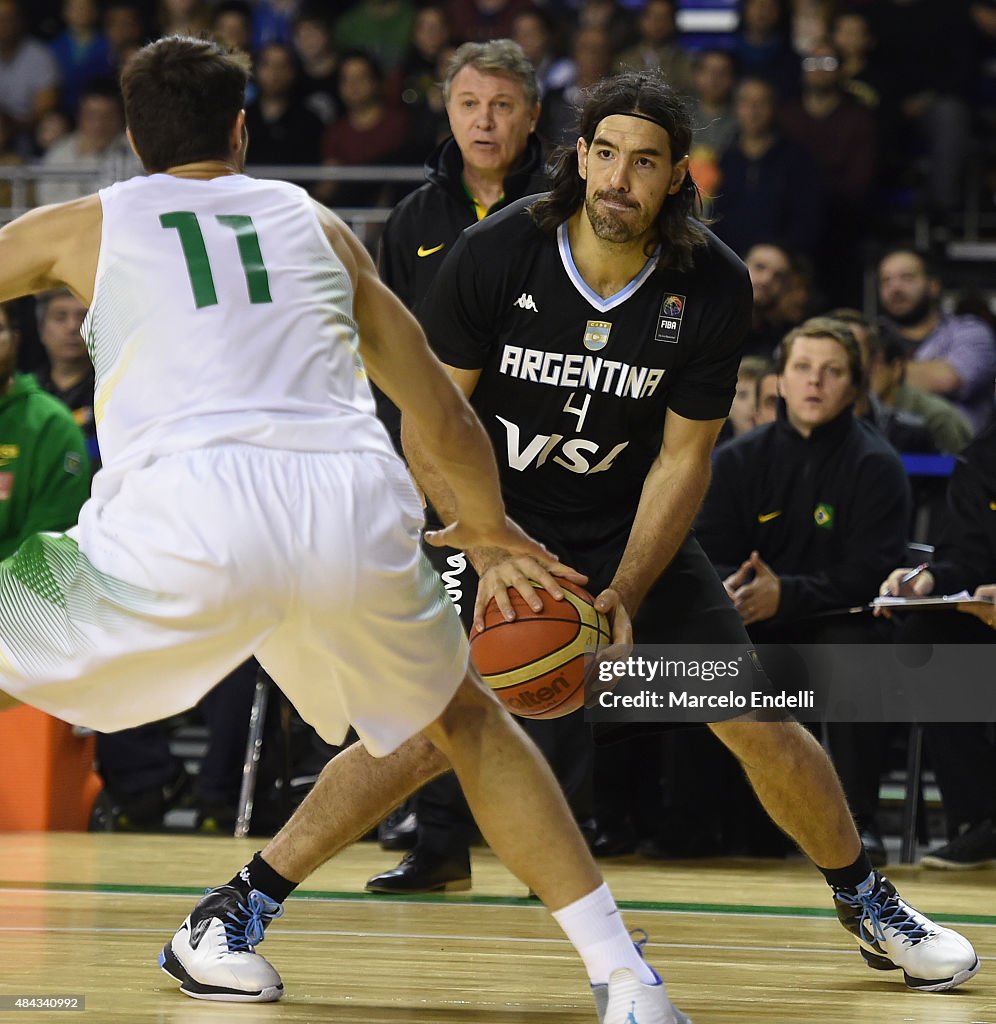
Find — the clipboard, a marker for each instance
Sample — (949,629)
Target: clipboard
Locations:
(940,601)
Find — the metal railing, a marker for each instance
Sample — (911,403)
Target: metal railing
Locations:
(364,220)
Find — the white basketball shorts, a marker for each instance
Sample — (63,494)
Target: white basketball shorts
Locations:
(178,571)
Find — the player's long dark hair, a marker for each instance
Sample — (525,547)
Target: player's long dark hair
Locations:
(679,232)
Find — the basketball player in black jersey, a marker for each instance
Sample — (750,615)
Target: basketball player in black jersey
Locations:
(597,332)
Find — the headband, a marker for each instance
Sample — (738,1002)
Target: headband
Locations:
(643,117)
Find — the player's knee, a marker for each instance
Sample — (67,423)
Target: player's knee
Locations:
(472,710)
(425,759)
(760,744)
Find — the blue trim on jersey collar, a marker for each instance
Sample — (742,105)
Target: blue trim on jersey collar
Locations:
(602,305)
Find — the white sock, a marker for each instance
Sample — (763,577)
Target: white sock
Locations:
(595,927)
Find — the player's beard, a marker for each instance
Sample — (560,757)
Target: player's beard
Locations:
(915,314)
(611,226)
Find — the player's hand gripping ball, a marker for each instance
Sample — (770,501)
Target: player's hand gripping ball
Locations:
(535,663)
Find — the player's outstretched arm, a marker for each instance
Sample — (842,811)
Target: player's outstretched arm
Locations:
(50,247)
(399,361)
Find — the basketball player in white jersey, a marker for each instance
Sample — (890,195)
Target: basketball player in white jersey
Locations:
(251,503)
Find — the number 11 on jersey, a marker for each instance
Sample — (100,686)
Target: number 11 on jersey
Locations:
(195,254)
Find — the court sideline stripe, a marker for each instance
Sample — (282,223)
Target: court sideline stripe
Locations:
(449,937)
(745,910)
(847,950)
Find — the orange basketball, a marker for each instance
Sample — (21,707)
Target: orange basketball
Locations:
(535,663)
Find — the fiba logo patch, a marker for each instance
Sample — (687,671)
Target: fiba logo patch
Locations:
(669,318)
(596,335)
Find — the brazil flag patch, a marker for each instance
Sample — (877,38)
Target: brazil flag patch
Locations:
(823,516)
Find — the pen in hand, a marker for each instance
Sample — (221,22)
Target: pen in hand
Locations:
(912,574)
(899,581)
(909,577)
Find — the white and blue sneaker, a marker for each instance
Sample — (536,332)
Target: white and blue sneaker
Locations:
(648,1003)
(213,953)
(894,936)
(627,1000)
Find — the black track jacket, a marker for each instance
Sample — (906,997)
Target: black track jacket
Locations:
(828,513)
(423,227)
(966,549)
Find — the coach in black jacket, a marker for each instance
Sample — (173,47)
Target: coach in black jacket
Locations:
(803,514)
(424,225)
(491,159)
(963,754)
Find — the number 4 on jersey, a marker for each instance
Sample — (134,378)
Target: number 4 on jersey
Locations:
(199,266)
(581,411)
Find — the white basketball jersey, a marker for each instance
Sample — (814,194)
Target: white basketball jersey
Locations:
(220,315)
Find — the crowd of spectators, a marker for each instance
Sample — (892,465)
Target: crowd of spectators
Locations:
(813,122)
(814,119)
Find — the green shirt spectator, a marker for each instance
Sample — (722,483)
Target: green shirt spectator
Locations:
(381,27)
(44,471)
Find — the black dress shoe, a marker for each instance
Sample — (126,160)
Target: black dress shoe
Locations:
(399,830)
(422,871)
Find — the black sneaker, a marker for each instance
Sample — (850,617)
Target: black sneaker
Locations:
(974,848)
(144,811)
(215,819)
(213,953)
(893,936)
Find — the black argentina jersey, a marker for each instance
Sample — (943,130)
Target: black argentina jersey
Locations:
(574,388)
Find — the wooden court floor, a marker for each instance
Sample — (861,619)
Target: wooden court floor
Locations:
(739,942)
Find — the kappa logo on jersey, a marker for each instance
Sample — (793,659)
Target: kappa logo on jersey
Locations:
(596,335)
(669,318)
(525,301)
